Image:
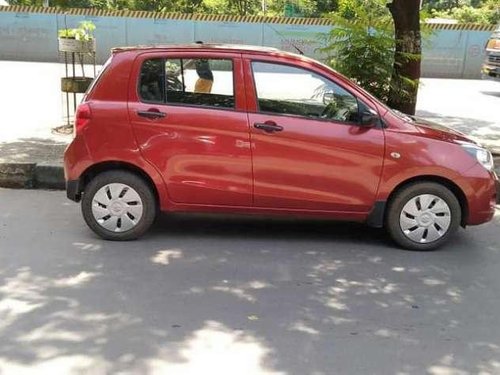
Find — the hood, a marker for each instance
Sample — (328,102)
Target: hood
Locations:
(435,130)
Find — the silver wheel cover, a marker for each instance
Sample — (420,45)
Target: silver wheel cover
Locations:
(425,218)
(117,207)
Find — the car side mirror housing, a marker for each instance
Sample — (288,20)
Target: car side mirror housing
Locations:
(368,118)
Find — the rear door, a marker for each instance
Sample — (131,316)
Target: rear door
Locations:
(309,151)
(187,111)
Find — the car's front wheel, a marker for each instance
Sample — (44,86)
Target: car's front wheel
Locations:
(423,216)
(118,205)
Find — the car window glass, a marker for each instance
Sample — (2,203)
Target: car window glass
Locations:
(295,91)
(203,82)
(151,83)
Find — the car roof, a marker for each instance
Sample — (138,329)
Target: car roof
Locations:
(206,46)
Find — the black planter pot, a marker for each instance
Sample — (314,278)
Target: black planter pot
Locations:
(78,85)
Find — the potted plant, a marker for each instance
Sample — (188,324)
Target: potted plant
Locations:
(78,41)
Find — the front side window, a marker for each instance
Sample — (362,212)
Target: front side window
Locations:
(200,82)
(295,91)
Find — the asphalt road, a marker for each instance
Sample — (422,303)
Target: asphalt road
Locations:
(225,295)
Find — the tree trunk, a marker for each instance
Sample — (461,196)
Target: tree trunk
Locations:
(406,16)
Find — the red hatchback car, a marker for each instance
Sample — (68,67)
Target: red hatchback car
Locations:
(240,129)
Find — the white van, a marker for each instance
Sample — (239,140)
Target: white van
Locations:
(491,66)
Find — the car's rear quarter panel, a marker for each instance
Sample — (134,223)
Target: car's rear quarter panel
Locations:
(109,136)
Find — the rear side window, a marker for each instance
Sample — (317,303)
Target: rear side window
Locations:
(198,82)
(152,86)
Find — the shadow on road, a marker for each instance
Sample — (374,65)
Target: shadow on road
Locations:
(232,295)
(257,227)
(492,93)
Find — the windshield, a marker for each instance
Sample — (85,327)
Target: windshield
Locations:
(402,115)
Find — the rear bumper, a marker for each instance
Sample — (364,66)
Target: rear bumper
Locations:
(76,160)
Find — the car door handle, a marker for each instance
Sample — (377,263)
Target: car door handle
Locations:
(268,126)
(151,114)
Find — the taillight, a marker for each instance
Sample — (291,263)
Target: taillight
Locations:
(82,117)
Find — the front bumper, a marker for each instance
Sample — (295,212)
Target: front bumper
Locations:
(481,193)
(490,72)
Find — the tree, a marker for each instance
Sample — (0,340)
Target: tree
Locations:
(465,11)
(326,6)
(153,5)
(306,8)
(408,49)
(361,45)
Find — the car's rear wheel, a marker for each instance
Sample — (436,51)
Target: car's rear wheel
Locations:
(118,205)
(423,216)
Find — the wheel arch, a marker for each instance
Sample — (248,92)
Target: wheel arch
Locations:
(110,165)
(452,186)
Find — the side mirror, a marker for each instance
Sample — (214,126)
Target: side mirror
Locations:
(368,118)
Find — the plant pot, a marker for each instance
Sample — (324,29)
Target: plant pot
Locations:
(78,46)
(78,85)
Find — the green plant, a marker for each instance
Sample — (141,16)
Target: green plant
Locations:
(215,6)
(363,48)
(83,32)
(481,12)
(347,9)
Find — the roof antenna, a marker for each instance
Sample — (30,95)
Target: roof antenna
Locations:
(199,42)
(288,40)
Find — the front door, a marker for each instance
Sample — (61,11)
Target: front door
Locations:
(309,151)
(188,118)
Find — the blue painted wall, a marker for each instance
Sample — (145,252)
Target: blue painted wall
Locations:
(27,36)
(454,53)
(33,37)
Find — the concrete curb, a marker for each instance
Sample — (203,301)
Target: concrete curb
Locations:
(31,176)
(49,177)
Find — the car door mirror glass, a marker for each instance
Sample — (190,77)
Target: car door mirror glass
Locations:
(368,118)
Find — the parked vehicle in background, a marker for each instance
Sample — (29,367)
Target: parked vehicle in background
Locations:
(491,66)
(240,129)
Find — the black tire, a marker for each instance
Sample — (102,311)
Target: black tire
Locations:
(403,196)
(149,206)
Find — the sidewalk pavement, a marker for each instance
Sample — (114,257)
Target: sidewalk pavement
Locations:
(31,102)
(32,105)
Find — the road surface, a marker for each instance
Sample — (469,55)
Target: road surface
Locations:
(226,295)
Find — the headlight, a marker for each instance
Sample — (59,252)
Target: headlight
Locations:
(482,155)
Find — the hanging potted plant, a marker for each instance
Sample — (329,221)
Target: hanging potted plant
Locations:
(78,42)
